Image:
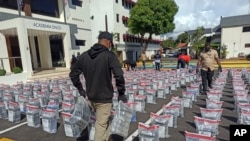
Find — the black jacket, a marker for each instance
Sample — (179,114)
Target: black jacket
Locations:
(97,65)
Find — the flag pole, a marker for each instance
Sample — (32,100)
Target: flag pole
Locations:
(19,7)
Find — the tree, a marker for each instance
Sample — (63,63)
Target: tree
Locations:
(150,17)
(168,43)
(182,38)
(198,40)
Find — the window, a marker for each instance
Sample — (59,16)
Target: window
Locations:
(116,1)
(247,45)
(45,7)
(246,29)
(117,18)
(77,3)
(12,4)
(80,42)
(123,2)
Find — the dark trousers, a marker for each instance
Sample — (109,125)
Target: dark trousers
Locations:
(143,63)
(207,78)
(180,63)
(157,66)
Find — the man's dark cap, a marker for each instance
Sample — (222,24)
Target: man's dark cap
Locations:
(105,35)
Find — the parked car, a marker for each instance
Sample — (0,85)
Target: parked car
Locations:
(172,54)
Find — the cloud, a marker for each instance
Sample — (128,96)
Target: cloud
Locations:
(206,13)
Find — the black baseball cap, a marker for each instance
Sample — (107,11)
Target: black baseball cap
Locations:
(105,35)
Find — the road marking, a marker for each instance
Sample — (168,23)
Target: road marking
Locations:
(16,126)
(133,135)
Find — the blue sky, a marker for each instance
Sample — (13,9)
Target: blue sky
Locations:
(206,13)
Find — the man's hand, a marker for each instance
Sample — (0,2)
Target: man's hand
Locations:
(123,98)
(219,68)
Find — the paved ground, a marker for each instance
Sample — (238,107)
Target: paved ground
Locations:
(25,133)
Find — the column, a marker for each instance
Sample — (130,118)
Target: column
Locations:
(24,46)
(33,51)
(66,47)
(45,52)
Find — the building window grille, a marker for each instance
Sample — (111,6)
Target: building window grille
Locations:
(77,3)
(80,42)
(117,18)
(246,29)
(247,45)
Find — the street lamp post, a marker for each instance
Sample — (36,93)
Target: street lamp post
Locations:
(233,49)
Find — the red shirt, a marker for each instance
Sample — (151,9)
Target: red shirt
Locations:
(186,58)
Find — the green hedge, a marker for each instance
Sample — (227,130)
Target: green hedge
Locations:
(2,72)
(17,70)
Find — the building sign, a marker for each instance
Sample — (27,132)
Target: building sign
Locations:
(47,26)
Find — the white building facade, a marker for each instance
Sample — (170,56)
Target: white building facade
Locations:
(112,16)
(235,35)
(43,34)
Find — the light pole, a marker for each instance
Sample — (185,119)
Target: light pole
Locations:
(233,49)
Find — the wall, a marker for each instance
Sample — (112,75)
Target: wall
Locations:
(4,53)
(231,35)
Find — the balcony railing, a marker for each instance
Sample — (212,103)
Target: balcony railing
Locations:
(10,62)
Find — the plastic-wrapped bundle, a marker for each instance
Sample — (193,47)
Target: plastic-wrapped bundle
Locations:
(67,107)
(155,84)
(214,114)
(162,121)
(3,111)
(167,86)
(69,98)
(16,93)
(206,126)
(246,117)
(212,104)
(42,99)
(214,96)
(130,93)
(27,93)
(54,97)
(70,127)
(161,92)
(219,81)
(196,85)
(14,113)
(194,90)
(242,107)
(239,86)
(141,90)
(67,92)
(198,137)
(141,102)
(23,101)
(147,132)
(49,121)
(81,113)
(151,96)
(187,99)
(56,94)
(53,105)
(33,116)
(241,91)
(121,121)
(6,98)
(132,105)
(174,111)
(180,102)
(215,90)
(173,85)
(183,81)
(115,101)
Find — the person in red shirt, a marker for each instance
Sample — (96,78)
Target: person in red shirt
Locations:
(183,60)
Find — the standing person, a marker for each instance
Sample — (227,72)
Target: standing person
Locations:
(144,58)
(206,61)
(97,65)
(157,58)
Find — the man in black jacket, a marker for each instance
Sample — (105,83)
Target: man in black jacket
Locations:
(97,65)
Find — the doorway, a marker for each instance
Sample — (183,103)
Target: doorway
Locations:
(57,51)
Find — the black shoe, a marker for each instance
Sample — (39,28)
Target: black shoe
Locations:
(210,86)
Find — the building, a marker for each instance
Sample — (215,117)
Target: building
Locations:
(112,16)
(42,34)
(235,33)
